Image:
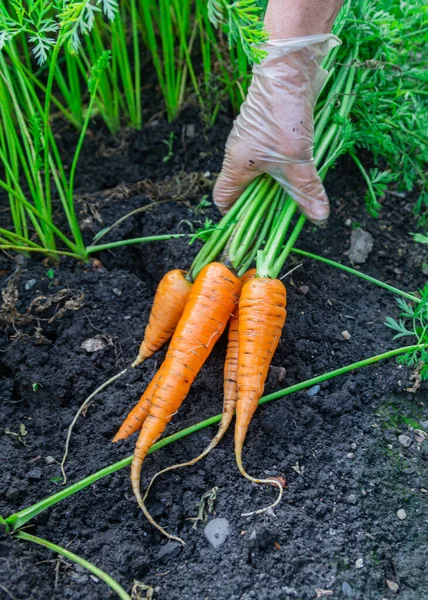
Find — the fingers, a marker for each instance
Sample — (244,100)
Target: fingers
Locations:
(305,186)
(237,172)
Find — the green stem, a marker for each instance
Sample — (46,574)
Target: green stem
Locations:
(141,240)
(247,261)
(267,258)
(381,284)
(219,238)
(245,231)
(22,535)
(19,519)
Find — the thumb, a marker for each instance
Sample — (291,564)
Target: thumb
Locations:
(304,185)
(236,173)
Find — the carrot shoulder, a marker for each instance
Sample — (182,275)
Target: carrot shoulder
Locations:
(212,300)
(168,305)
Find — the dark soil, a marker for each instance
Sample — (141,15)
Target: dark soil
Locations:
(347,474)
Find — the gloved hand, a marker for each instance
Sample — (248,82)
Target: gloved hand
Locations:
(274,131)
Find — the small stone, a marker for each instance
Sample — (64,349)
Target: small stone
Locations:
(401,514)
(303,289)
(359,563)
(424,424)
(169,550)
(190,130)
(49,460)
(30,284)
(20,260)
(94,344)
(313,391)
(276,374)
(354,446)
(361,246)
(420,436)
(35,473)
(346,589)
(350,455)
(348,222)
(346,335)
(117,291)
(351,499)
(405,440)
(392,585)
(217,531)
(80,578)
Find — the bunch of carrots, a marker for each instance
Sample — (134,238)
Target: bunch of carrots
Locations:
(193,311)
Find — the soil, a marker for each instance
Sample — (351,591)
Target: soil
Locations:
(336,528)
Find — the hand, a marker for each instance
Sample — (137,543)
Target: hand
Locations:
(274,131)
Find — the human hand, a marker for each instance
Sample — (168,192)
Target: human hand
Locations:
(274,131)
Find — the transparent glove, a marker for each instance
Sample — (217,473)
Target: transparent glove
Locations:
(274,131)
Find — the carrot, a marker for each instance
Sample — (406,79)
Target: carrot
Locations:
(212,300)
(230,390)
(136,417)
(170,299)
(262,316)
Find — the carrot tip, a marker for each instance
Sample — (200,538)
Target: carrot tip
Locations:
(138,361)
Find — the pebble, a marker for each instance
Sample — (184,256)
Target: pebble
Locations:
(405,440)
(346,335)
(359,563)
(93,344)
(424,424)
(313,391)
(354,446)
(49,460)
(351,499)
(420,436)
(350,455)
(117,291)
(169,550)
(361,246)
(393,586)
(78,578)
(346,589)
(217,531)
(35,473)
(401,514)
(30,284)
(348,222)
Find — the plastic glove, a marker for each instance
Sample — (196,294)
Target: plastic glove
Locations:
(274,131)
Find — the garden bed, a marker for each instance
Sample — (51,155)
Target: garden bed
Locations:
(347,474)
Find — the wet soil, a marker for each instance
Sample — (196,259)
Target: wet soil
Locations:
(347,474)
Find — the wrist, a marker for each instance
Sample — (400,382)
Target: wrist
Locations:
(298,18)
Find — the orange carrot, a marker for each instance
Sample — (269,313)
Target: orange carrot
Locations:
(262,316)
(212,300)
(170,299)
(230,389)
(136,417)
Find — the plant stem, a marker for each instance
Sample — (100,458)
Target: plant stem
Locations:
(141,240)
(22,535)
(19,519)
(381,284)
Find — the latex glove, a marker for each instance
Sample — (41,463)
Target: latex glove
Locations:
(274,131)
